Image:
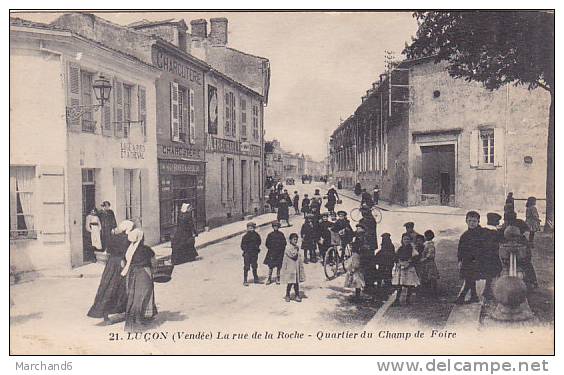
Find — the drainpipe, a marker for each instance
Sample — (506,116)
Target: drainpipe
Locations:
(506,140)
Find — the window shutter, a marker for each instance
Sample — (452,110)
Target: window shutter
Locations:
(118,108)
(106,115)
(142,109)
(73,100)
(499,146)
(474,148)
(174,119)
(192,119)
(53,204)
(223,179)
(233,116)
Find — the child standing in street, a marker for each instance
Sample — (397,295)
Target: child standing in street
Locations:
(384,260)
(309,240)
(296,202)
(276,244)
(250,244)
(404,274)
(532,219)
(355,278)
(470,247)
(293,272)
(429,272)
(305,205)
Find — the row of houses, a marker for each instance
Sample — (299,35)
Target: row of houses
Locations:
(281,164)
(426,138)
(183,123)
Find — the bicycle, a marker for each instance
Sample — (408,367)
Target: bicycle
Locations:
(356,215)
(333,262)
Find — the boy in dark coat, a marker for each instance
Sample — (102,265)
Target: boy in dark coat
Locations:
(385,260)
(250,244)
(276,244)
(366,199)
(490,264)
(324,235)
(296,202)
(305,205)
(343,227)
(470,247)
(309,239)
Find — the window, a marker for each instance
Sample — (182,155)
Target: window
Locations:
(22,181)
(230,115)
(487,145)
(88,123)
(132,193)
(256,122)
(243,118)
(230,179)
(182,117)
(126,109)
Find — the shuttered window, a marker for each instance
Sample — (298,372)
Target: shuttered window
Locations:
(174,112)
(182,114)
(118,105)
(243,103)
(192,118)
(256,122)
(126,109)
(73,97)
(142,108)
(22,212)
(87,119)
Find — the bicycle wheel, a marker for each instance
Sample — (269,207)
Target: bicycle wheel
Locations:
(331,263)
(356,215)
(377,213)
(347,254)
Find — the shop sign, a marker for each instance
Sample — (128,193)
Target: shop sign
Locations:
(179,168)
(175,151)
(132,151)
(166,62)
(228,146)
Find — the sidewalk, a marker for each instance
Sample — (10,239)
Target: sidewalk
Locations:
(386,206)
(204,239)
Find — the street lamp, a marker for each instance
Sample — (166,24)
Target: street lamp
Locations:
(102,89)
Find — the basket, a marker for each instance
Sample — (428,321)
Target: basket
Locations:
(162,270)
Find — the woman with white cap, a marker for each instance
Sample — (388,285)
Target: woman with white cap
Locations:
(141,306)
(183,249)
(111,297)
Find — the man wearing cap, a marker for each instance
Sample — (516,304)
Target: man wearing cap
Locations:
(371,244)
(309,240)
(343,227)
(250,244)
(324,235)
(489,262)
(276,244)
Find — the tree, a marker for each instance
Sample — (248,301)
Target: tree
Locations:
(495,48)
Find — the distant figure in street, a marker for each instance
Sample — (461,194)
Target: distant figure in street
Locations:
(384,260)
(141,306)
(309,239)
(108,222)
(283,209)
(470,247)
(510,201)
(357,189)
(429,273)
(366,199)
(293,272)
(296,203)
(376,195)
(183,241)
(272,200)
(332,197)
(403,273)
(111,297)
(276,244)
(250,244)
(532,219)
(93,241)
(305,205)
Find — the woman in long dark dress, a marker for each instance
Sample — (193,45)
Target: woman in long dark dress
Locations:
(183,249)
(108,221)
(111,297)
(141,307)
(283,212)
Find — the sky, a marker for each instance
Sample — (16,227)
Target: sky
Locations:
(322,63)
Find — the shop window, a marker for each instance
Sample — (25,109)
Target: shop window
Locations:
(22,181)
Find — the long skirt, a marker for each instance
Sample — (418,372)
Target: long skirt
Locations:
(183,250)
(141,306)
(95,237)
(111,297)
(404,274)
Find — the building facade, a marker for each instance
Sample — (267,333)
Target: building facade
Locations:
(68,157)
(273,160)
(435,140)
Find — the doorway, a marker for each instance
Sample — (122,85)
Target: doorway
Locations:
(244,187)
(438,177)
(88,203)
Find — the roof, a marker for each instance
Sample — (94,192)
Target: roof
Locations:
(19,22)
(146,23)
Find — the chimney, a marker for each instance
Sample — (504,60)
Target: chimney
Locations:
(218,31)
(199,28)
